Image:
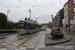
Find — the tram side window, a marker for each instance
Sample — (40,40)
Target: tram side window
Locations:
(27,26)
(21,26)
(32,26)
(35,26)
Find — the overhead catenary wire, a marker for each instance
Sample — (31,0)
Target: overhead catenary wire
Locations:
(22,3)
(60,1)
(25,6)
(32,7)
(52,3)
(7,4)
(11,6)
(38,7)
(37,3)
(46,17)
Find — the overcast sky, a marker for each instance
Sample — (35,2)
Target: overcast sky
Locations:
(41,10)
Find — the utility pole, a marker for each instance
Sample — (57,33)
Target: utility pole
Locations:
(7,14)
(7,17)
(52,27)
(52,22)
(21,19)
(30,13)
(69,23)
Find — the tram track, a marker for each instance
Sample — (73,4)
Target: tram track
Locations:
(29,37)
(26,40)
(37,42)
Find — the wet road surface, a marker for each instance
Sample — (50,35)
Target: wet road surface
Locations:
(18,42)
(35,41)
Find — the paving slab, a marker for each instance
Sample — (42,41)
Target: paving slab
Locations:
(56,41)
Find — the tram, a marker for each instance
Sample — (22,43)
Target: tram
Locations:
(28,27)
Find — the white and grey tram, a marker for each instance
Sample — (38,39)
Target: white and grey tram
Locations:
(28,27)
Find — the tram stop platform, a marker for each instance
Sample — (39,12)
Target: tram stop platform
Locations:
(7,31)
(49,41)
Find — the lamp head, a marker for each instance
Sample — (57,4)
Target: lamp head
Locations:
(52,16)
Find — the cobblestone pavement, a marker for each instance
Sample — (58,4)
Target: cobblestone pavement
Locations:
(70,45)
(35,41)
(23,42)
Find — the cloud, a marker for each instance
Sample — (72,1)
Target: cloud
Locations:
(20,10)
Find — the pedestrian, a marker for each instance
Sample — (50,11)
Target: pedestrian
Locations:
(60,29)
(66,27)
(57,29)
(54,29)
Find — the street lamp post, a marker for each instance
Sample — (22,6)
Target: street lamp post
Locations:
(52,27)
(52,22)
(30,13)
(69,23)
(7,14)
(7,17)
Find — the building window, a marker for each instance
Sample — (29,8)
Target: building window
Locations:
(74,1)
(68,0)
(70,17)
(73,9)
(73,17)
(69,4)
(69,11)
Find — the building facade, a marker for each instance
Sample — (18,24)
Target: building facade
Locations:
(61,16)
(69,14)
(54,22)
(66,15)
(57,20)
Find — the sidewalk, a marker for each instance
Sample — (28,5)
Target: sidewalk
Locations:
(57,41)
(70,43)
(67,32)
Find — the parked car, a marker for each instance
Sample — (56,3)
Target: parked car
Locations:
(43,29)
